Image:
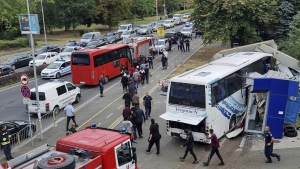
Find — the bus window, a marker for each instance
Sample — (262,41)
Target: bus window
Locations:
(234,83)
(80,59)
(219,92)
(110,56)
(187,94)
(98,60)
(257,66)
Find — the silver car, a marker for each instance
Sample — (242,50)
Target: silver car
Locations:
(187,32)
(144,29)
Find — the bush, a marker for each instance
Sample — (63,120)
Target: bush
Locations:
(19,42)
(15,78)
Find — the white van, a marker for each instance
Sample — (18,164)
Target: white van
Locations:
(53,96)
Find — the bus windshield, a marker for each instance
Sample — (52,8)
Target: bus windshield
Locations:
(80,59)
(187,94)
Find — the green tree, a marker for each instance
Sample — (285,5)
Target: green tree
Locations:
(49,14)
(291,46)
(71,13)
(142,8)
(173,5)
(111,12)
(286,11)
(225,20)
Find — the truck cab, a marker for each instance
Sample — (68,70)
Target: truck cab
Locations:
(125,27)
(91,148)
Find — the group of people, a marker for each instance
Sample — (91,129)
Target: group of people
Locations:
(183,44)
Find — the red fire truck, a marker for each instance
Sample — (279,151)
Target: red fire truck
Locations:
(140,45)
(91,148)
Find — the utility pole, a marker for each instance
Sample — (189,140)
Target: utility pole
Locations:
(44,23)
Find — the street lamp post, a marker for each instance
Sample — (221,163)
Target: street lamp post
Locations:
(35,76)
(44,23)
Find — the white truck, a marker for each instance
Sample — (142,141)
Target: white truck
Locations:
(127,27)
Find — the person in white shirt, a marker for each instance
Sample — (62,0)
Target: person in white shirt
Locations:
(70,112)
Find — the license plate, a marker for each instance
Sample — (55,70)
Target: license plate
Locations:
(82,82)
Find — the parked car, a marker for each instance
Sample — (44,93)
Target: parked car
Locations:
(87,37)
(161,23)
(110,40)
(187,32)
(45,58)
(144,29)
(177,21)
(66,52)
(186,18)
(6,70)
(47,48)
(18,61)
(128,34)
(56,69)
(21,126)
(161,45)
(71,43)
(169,23)
(96,43)
(174,35)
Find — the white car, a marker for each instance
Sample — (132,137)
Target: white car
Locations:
(187,32)
(65,54)
(44,58)
(56,69)
(128,34)
(161,45)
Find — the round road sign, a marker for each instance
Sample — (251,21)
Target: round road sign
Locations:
(25,91)
(24,79)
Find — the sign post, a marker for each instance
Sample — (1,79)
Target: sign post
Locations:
(25,91)
(160,31)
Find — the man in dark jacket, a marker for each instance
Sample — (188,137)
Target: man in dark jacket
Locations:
(124,82)
(154,137)
(214,148)
(5,142)
(127,98)
(132,89)
(147,74)
(140,117)
(189,143)
(126,111)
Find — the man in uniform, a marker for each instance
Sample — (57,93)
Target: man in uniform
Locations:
(150,61)
(269,140)
(5,142)
(189,143)
(101,84)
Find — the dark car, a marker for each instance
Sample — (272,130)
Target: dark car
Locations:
(110,39)
(19,126)
(71,43)
(6,70)
(18,61)
(96,43)
(116,36)
(175,36)
(47,48)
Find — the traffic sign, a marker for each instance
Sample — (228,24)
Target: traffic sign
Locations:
(25,91)
(160,31)
(24,79)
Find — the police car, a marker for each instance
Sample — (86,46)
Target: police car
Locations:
(56,69)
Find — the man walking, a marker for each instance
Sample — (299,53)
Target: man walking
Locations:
(147,74)
(147,102)
(128,125)
(150,61)
(135,99)
(189,143)
(182,45)
(101,84)
(214,148)
(127,98)
(269,142)
(135,76)
(154,137)
(132,89)
(124,81)
(140,117)
(133,121)
(187,44)
(5,142)
(70,112)
(126,111)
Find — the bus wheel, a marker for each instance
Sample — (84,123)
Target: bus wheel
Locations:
(106,79)
(232,122)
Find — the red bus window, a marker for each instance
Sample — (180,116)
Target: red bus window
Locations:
(81,59)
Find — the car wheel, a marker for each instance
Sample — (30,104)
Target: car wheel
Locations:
(77,100)
(58,75)
(13,67)
(106,79)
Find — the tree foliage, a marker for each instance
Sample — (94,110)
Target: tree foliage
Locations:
(143,8)
(286,12)
(223,20)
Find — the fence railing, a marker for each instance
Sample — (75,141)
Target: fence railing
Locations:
(24,135)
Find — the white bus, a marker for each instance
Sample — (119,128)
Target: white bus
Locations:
(211,96)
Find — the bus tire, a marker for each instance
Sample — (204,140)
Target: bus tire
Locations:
(232,122)
(60,161)
(106,79)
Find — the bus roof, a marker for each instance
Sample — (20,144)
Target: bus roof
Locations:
(95,140)
(103,49)
(219,68)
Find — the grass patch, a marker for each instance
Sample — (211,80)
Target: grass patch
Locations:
(201,57)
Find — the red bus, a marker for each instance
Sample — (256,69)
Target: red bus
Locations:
(88,64)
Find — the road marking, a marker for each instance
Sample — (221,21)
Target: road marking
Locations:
(120,106)
(151,81)
(109,115)
(157,75)
(98,124)
(112,125)
(162,71)
(145,86)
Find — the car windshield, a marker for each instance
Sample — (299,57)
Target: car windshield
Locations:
(126,33)
(185,17)
(143,27)
(40,57)
(70,44)
(11,60)
(167,21)
(92,43)
(176,15)
(160,42)
(168,35)
(187,94)
(67,50)
(177,19)
(86,36)
(161,21)
(53,66)
(41,49)
(186,29)
(123,27)
(110,34)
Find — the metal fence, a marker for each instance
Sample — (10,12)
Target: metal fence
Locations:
(24,136)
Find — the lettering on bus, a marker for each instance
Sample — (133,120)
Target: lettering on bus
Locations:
(186,110)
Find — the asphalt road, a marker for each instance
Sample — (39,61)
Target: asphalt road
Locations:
(11,100)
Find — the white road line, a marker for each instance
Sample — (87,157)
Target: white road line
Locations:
(109,115)
(157,75)
(120,106)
